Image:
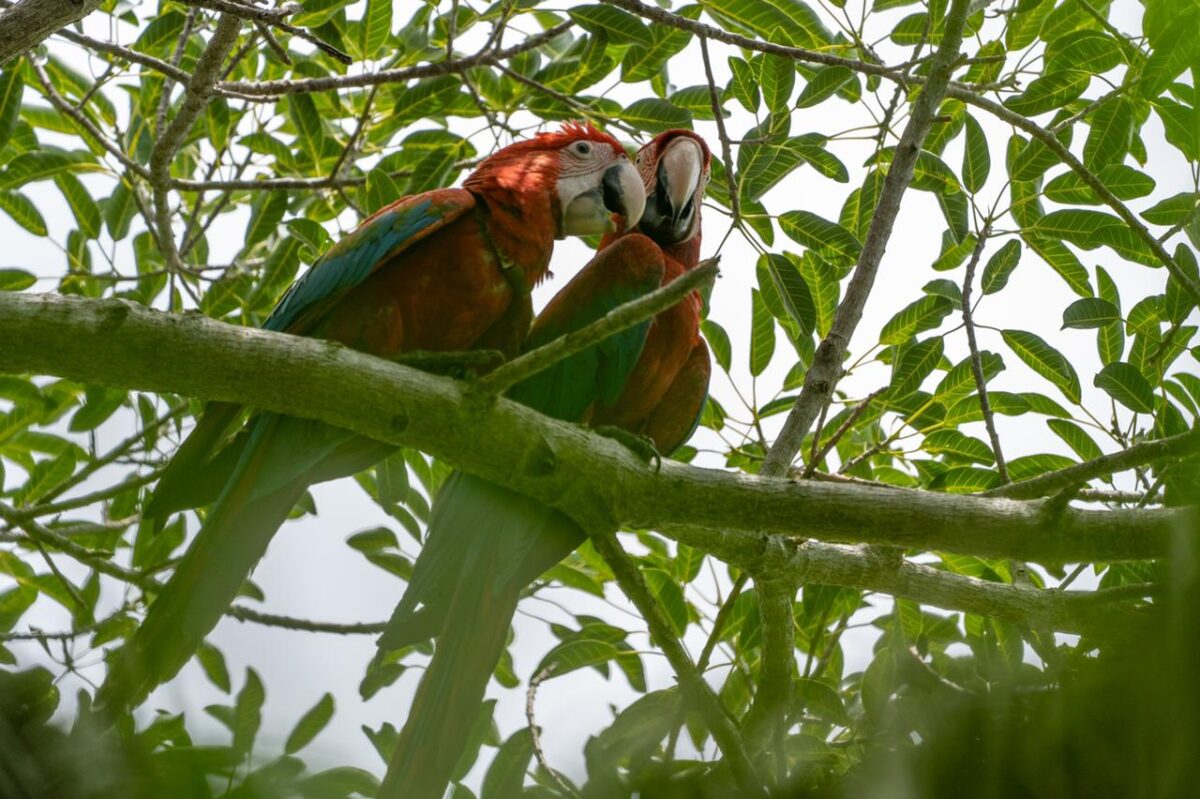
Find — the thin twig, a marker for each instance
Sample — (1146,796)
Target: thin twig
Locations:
(691,682)
(985,407)
(843,428)
(616,320)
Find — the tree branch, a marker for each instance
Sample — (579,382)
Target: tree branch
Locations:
(621,318)
(27,23)
(1180,445)
(596,481)
(822,377)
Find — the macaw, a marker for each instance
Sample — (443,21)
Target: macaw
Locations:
(485,543)
(445,270)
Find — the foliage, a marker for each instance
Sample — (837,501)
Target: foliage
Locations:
(1068,147)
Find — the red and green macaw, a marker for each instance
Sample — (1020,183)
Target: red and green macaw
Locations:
(446,270)
(486,544)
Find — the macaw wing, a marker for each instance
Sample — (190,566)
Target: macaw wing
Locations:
(354,257)
(625,270)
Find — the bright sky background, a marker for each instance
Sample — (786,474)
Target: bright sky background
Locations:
(310,573)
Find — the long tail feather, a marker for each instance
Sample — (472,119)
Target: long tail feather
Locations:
(485,545)
(194,477)
(232,540)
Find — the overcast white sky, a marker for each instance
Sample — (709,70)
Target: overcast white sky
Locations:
(310,573)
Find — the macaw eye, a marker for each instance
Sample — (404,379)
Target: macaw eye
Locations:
(583,148)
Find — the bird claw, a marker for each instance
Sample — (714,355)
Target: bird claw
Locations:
(638,444)
(450,360)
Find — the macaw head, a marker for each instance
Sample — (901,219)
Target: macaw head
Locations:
(591,184)
(674,167)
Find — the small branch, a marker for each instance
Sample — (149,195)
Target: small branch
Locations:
(535,734)
(243,613)
(985,407)
(735,205)
(199,89)
(822,377)
(1180,445)
(616,320)
(843,428)
(484,57)
(691,682)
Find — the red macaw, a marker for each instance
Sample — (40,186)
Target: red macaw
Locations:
(446,270)
(485,543)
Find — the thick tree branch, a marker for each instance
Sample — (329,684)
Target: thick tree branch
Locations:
(822,377)
(595,480)
(27,23)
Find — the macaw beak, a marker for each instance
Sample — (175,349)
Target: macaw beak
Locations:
(614,190)
(670,216)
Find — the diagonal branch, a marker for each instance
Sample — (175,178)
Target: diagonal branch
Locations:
(613,322)
(985,407)
(1181,445)
(823,376)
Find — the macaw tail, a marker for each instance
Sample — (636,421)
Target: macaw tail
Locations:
(254,504)
(485,545)
(195,475)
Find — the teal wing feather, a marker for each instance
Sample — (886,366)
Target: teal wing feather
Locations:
(354,257)
(625,270)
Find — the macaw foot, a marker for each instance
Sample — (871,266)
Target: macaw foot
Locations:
(451,360)
(639,444)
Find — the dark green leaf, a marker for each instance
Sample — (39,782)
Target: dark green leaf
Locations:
(814,232)
(1124,383)
(23,212)
(1045,360)
(506,774)
(924,314)
(310,725)
(762,334)
(618,25)
(977,161)
(1090,313)
(1000,266)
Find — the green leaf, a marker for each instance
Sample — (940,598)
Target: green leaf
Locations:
(966,480)
(961,377)
(573,654)
(12,87)
(762,334)
(1045,360)
(816,233)
(1174,210)
(247,712)
(1178,302)
(1112,127)
(1123,181)
(1050,92)
(670,595)
(977,161)
(744,83)
(213,663)
(958,445)
(391,479)
(618,25)
(781,21)
(1061,260)
(1124,383)
(87,213)
(1029,466)
(824,84)
(35,165)
(46,476)
(506,774)
(1087,50)
(778,81)
(792,289)
(266,211)
(643,63)
(310,725)
(998,268)
(914,365)
(376,27)
(310,133)
(23,212)
(718,342)
(924,314)
(1110,339)
(1090,312)
(656,115)
(1075,437)
(954,254)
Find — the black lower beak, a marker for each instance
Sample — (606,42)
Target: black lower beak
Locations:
(662,221)
(613,191)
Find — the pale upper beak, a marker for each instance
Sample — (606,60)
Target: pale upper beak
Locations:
(671,214)
(589,201)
